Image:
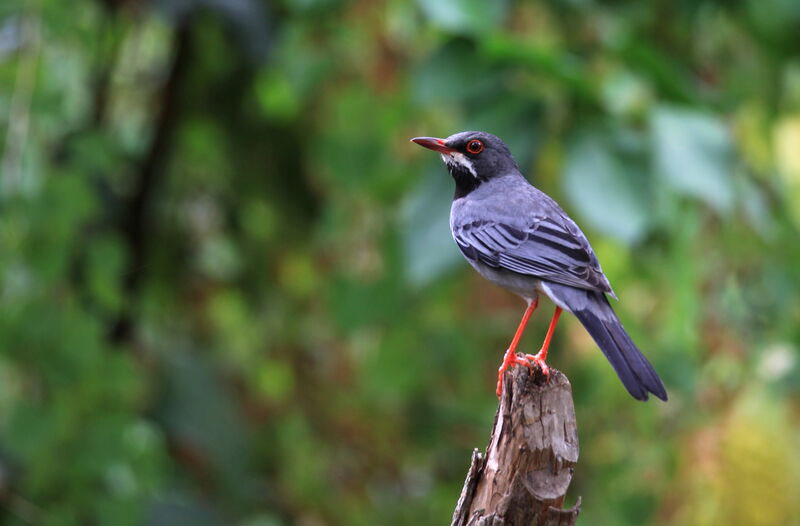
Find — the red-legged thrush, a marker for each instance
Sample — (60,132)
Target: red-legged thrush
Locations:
(520,239)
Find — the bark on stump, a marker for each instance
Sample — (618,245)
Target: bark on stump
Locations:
(523,477)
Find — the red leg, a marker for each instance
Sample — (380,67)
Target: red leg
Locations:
(511,357)
(540,357)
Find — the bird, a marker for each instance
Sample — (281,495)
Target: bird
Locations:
(519,238)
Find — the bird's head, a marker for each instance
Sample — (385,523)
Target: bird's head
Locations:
(472,158)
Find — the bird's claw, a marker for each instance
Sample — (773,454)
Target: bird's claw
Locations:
(538,359)
(509,360)
(528,360)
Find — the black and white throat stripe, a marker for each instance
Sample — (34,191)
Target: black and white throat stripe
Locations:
(459,161)
(463,173)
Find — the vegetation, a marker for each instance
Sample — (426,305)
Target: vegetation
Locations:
(228,293)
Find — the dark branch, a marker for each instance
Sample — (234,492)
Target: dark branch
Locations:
(134,223)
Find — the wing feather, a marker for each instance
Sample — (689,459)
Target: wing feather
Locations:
(546,249)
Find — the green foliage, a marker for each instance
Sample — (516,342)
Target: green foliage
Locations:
(228,293)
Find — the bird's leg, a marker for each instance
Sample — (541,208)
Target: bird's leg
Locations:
(511,357)
(540,357)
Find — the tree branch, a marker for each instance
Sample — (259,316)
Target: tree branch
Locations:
(135,221)
(523,477)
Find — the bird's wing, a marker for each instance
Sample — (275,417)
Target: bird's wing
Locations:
(547,248)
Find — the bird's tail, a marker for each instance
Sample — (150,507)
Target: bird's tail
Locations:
(595,313)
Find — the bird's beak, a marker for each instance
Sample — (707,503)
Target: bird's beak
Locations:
(432,143)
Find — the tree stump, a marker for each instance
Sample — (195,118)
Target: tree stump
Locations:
(523,477)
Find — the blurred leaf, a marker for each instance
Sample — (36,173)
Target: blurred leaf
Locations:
(298,275)
(275,380)
(218,258)
(749,454)
(200,415)
(428,247)
(611,193)
(449,76)
(693,154)
(668,76)
(11,34)
(182,511)
(104,265)
(552,63)
(787,157)
(248,18)
(625,94)
(301,5)
(276,97)
(776,22)
(465,16)
(756,207)
(263,520)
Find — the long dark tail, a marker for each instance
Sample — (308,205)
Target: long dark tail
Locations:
(595,313)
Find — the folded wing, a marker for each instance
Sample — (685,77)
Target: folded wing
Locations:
(546,248)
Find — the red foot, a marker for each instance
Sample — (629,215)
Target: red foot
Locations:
(538,359)
(509,360)
(528,360)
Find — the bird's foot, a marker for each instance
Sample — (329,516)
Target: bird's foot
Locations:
(509,360)
(538,359)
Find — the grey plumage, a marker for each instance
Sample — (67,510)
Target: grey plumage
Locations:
(600,320)
(519,238)
(509,225)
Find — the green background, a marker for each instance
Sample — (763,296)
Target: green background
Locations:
(228,292)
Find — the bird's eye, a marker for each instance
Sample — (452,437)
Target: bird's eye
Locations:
(474,146)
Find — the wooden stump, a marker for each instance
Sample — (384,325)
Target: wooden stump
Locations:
(523,477)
